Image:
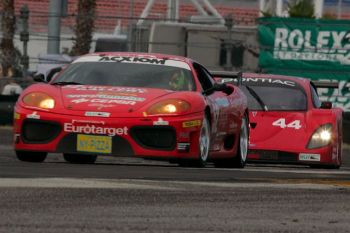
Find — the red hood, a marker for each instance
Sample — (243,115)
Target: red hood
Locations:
(283,131)
(108,99)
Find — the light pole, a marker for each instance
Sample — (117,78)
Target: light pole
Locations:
(228,44)
(54,27)
(24,37)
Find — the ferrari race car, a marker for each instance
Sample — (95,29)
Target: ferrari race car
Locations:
(289,123)
(133,104)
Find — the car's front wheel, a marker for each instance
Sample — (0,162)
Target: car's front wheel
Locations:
(242,152)
(80,158)
(204,144)
(29,156)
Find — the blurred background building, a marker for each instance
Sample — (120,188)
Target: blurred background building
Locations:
(127,20)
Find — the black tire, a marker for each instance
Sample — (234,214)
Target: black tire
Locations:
(204,144)
(80,158)
(320,166)
(239,161)
(29,156)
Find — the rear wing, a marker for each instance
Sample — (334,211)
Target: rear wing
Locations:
(326,84)
(228,77)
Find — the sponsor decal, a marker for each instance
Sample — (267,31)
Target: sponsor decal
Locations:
(99,96)
(160,121)
(100,106)
(254,113)
(33,115)
(194,123)
(309,157)
(97,114)
(92,129)
(270,81)
(116,93)
(103,101)
(16,116)
(88,122)
(222,102)
(102,88)
(183,146)
(135,59)
(324,45)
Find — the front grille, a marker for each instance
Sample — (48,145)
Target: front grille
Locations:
(38,131)
(275,156)
(155,137)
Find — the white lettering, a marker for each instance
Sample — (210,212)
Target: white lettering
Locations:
(307,44)
(269,80)
(281,38)
(337,39)
(92,129)
(322,39)
(296,39)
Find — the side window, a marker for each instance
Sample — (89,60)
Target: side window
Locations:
(315,100)
(204,77)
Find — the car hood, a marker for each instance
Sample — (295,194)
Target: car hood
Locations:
(108,99)
(284,131)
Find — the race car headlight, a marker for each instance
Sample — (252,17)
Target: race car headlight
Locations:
(39,100)
(321,137)
(169,107)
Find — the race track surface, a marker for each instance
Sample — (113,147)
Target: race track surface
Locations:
(136,195)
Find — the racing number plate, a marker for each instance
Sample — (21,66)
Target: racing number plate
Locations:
(91,143)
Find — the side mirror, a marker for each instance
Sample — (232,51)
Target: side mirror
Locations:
(52,73)
(227,89)
(326,105)
(39,78)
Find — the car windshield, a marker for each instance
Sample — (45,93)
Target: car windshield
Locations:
(277,98)
(127,75)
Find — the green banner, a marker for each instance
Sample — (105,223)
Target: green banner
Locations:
(311,48)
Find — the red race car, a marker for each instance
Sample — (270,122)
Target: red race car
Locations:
(133,104)
(288,122)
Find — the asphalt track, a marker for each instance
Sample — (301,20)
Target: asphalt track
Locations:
(136,195)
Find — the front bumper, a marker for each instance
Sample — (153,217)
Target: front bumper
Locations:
(162,137)
(322,156)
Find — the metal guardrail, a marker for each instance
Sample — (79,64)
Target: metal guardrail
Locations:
(23,82)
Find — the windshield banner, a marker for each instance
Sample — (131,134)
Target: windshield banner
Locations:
(315,49)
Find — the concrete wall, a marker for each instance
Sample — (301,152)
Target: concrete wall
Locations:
(204,43)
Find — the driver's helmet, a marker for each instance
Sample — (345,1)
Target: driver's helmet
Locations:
(178,81)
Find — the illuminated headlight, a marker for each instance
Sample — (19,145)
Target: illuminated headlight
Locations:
(39,100)
(321,137)
(169,107)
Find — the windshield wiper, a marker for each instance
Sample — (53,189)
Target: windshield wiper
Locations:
(257,97)
(62,83)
